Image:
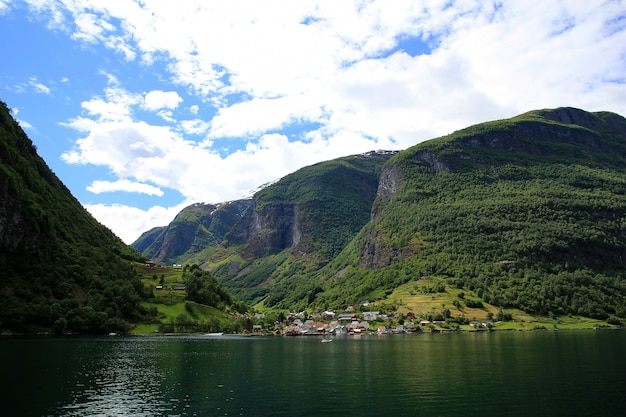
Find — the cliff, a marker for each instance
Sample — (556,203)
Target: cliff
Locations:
(194,231)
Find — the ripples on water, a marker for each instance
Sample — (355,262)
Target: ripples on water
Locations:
(557,374)
(117,380)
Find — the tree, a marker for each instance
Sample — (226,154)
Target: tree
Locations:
(203,288)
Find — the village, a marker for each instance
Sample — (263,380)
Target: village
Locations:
(353,323)
(360,318)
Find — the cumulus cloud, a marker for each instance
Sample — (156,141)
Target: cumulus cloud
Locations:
(135,221)
(124,147)
(98,187)
(158,99)
(300,82)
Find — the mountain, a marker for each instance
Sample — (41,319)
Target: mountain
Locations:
(192,233)
(294,225)
(61,269)
(527,213)
(312,212)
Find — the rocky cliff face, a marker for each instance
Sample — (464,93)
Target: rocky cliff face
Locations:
(563,133)
(316,209)
(574,131)
(267,231)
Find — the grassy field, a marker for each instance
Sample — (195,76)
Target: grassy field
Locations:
(159,275)
(171,304)
(417,297)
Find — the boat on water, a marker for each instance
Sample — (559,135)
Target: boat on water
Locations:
(326,340)
(214,334)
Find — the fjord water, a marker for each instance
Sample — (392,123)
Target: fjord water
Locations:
(549,373)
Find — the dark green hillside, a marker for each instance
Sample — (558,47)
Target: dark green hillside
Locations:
(59,268)
(527,213)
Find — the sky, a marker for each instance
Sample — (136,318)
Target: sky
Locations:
(143,107)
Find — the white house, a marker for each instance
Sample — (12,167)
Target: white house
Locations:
(370,315)
(328,315)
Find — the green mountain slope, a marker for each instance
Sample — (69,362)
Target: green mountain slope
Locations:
(316,210)
(526,213)
(59,268)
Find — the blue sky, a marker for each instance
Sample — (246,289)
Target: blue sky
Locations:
(143,108)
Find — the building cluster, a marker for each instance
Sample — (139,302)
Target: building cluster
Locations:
(328,322)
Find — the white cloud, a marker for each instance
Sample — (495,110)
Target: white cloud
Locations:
(166,115)
(33,85)
(90,28)
(39,87)
(195,126)
(158,99)
(260,115)
(98,187)
(261,71)
(131,222)
(4,6)
(123,147)
(115,106)
(25,125)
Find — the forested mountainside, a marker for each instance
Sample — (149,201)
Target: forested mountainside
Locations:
(60,269)
(526,213)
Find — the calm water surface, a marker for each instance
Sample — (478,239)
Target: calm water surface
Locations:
(564,373)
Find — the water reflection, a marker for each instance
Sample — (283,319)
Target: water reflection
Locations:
(516,374)
(117,379)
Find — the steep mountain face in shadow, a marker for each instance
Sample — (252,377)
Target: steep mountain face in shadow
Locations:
(194,231)
(61,269)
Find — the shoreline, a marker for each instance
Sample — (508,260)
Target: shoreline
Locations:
(540,327)
(311,335)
